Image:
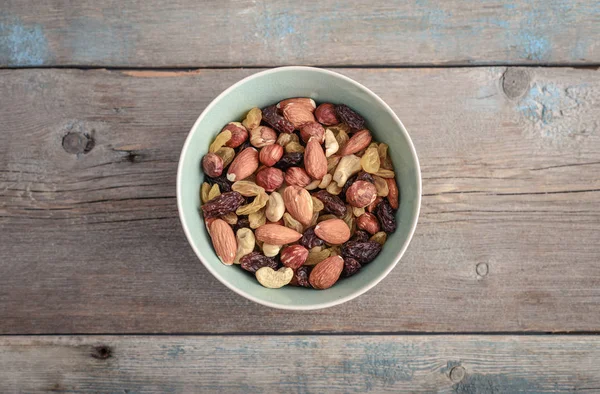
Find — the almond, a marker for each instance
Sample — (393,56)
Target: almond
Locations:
(298,203)
(276,234)
(326,273)
(361,194)
(393,195)
(298,114)
(239,134)
(270,154)
(368,222)
(297,176)
(294,256)
(305,102)
(223,241)
(333,231)
(314,159)
(359,141)
(243,165)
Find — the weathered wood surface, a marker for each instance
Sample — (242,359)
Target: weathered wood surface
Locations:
(187,33)
(507,239)
(301,364)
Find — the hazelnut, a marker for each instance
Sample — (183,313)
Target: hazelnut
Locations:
(212,164)
(262,136)
(239,134)
(368,222)
(361,193)
(325,114)
(312,129)
(297,176)
(269,178)
(270,154)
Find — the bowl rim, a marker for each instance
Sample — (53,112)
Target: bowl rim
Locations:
(360,290)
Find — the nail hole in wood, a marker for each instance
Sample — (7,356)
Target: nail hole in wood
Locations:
(77,143)
(101,352)
(457,374)
(482,269)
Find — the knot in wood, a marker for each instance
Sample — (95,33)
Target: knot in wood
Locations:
(515,82)
(101,352)
(457,374)
(481,269)
(77,143)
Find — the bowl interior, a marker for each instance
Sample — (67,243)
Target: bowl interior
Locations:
(270,87)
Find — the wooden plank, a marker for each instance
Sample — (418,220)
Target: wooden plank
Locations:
(301,364)
(507,239)
(188,33)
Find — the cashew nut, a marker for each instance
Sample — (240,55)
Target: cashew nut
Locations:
(275,207)
(245,242)
(271,250)
(348,166)
(331,144)
(272,279)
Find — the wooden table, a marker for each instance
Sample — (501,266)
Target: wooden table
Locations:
(499,290)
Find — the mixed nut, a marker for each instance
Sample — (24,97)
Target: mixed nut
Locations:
(298,194)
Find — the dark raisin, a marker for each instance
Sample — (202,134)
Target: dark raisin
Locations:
(278,122)
(309,239)
(360,236)
(386,217)
(348,183)
(222,181)
(223,204)
(365,176)
(253,261)
(363,252)
(333,204)
(245,144)
(351,267)
(293,159)
(300,277)
(348,116)
(241,223)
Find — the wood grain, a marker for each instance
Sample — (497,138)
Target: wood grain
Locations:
(188,33)
(507,239)
(301,364)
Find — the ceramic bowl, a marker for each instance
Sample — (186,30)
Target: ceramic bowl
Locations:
(263,89)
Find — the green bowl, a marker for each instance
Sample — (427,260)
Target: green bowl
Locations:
(261,90)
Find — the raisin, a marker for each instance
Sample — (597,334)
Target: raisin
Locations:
(300,277)
(363,252)
(223,204)
(351,267)
(245,144)
(360,236)
(255,260)
(278,122)
(365,176)
(309,239)
(348,183)
(241,223)
(333,204)
(222,181)
(386,217)
(348,116)
(293,159)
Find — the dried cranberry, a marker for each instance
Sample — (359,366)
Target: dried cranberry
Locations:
(278,122)
(365,176)
(363,252)
(223,204)
(293,159)
(351,267)
(360,236)
(300,277)
(386,217)
(309,239)
(349,116)
(222,181)
(253,261)
(333,204)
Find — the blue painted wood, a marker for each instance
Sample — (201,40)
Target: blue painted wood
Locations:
(188,33)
